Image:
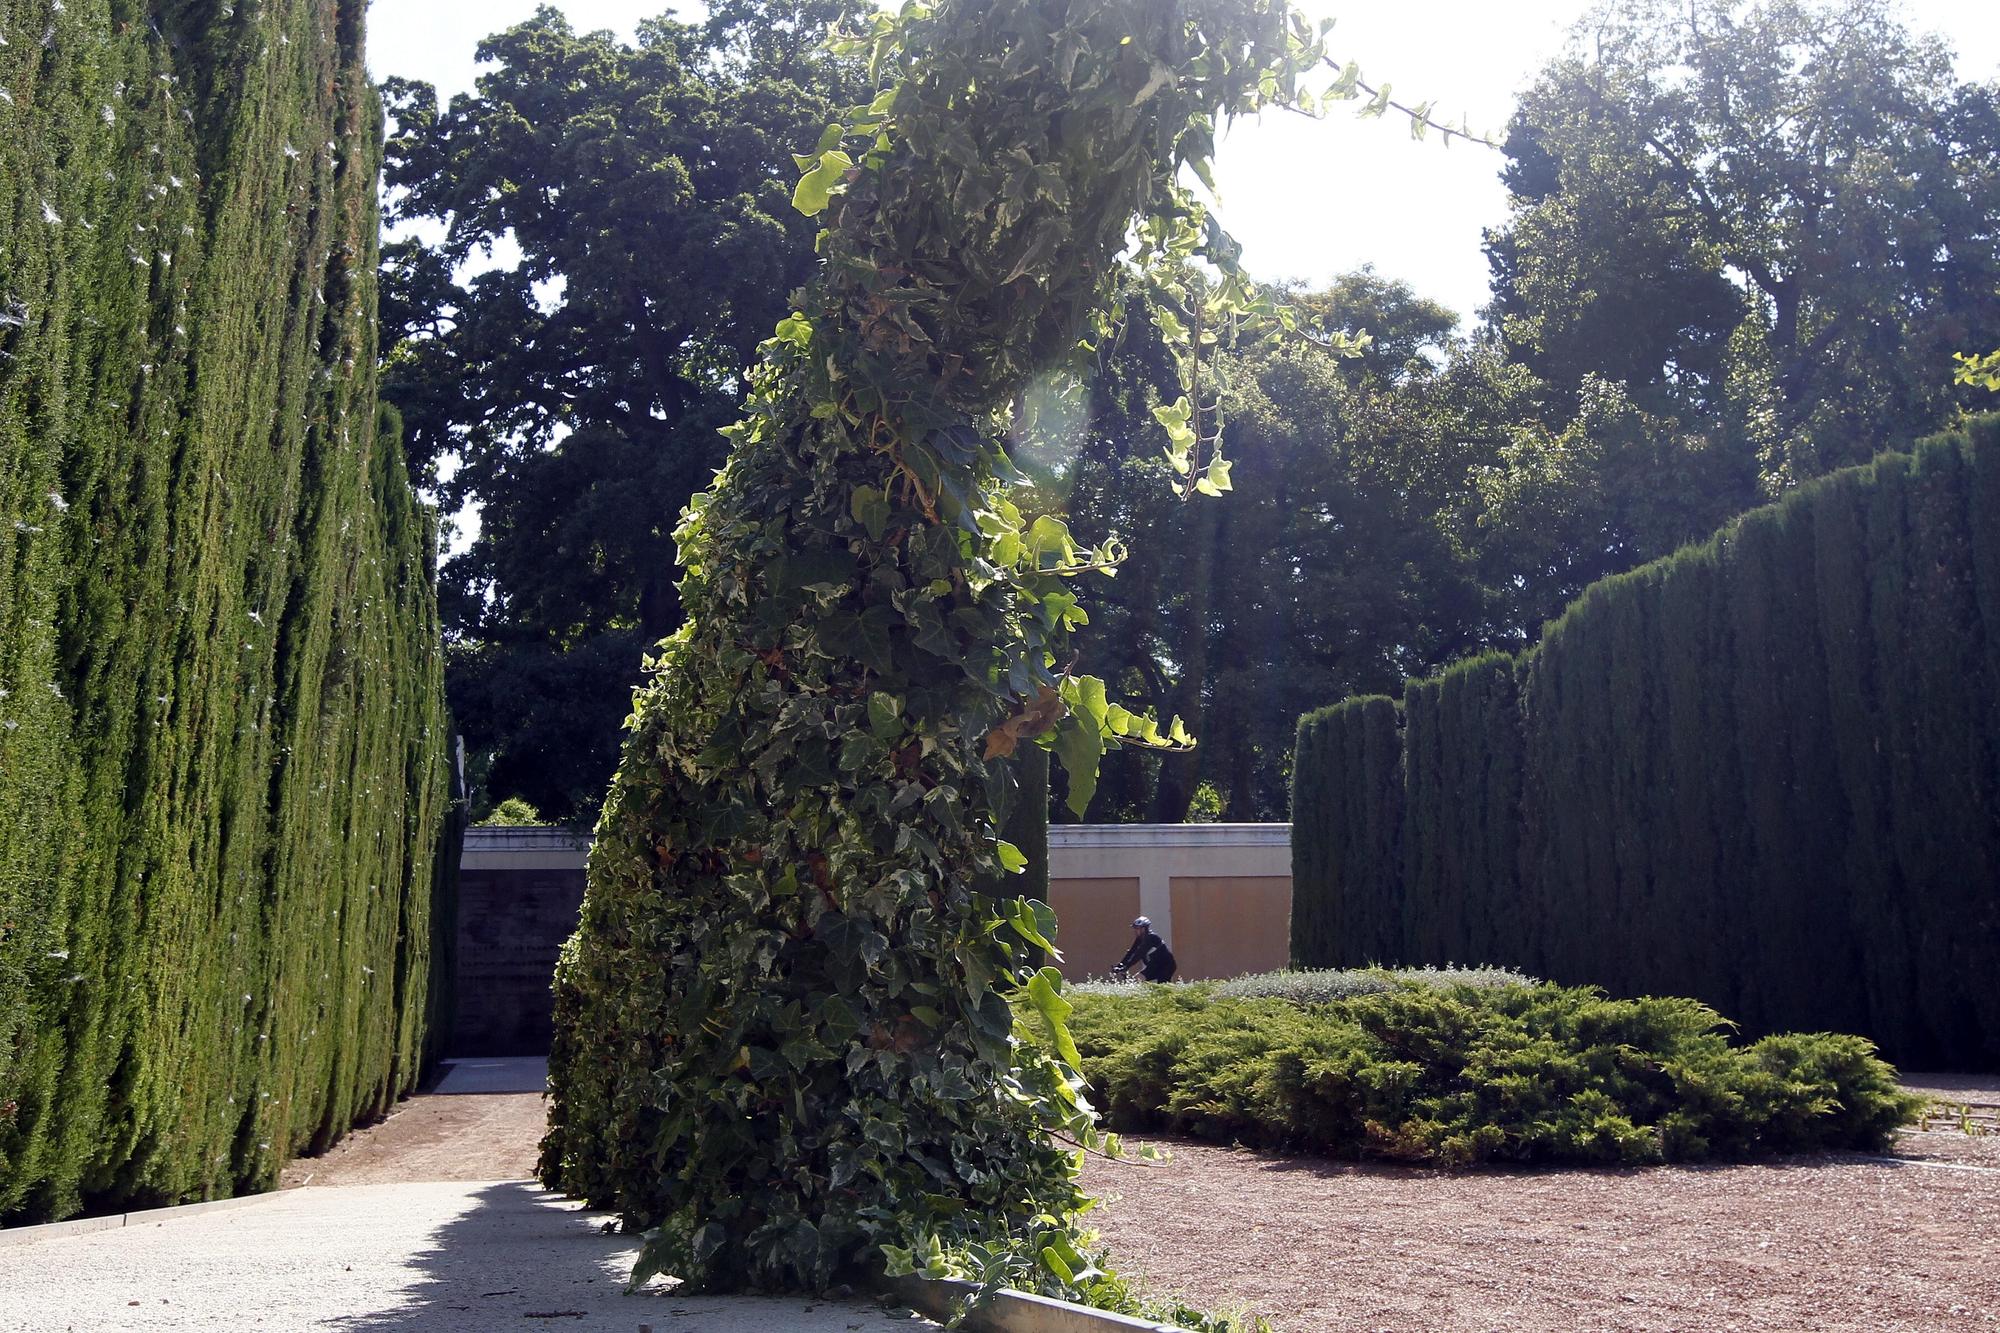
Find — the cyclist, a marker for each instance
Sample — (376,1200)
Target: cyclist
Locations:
(1149,951)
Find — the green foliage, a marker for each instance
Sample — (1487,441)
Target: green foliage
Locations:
(1770,223)
(1324,985)
(1438,498)
(511,813)
(647,186)
(1206,806)
(1754,772)
(1347,817)
(1982,371)
(1358,467)
(222,739)
(784,1038)
(1455,1074)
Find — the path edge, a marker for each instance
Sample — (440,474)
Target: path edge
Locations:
(1011,1311)
(83,1226)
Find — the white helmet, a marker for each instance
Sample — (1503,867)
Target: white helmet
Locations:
(1142,923)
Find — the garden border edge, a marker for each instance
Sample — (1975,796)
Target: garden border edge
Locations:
(82,1226)
(1010,1311)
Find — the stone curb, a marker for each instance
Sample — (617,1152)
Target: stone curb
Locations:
(83,1226)
(1011,1311)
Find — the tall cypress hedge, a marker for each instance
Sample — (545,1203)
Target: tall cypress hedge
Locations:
(1764,771)
(1348,780)
(222,733)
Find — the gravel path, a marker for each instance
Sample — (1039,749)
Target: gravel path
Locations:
(1829,1243)
(453,1257)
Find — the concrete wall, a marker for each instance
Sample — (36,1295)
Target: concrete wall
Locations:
(519,892)
(1220,894)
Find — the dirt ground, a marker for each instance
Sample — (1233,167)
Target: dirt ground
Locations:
(478,1137)
(1824,1243)
(1838,1243)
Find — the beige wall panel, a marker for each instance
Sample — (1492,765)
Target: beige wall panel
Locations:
(1225,926)
(1094,919)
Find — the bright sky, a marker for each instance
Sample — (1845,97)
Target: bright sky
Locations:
(1308,200)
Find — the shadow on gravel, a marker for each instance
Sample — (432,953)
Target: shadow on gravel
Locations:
(517,1259)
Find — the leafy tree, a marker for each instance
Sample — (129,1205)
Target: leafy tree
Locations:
(512,813)
(1357,545)
(1561,505)
(1771,221)
(577,397)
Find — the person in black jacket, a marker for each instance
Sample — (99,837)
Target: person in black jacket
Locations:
(1149,951)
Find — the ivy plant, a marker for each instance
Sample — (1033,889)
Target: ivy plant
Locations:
(1980,371)
(785,1040)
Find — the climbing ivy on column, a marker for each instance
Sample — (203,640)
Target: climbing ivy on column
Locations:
(786,1043)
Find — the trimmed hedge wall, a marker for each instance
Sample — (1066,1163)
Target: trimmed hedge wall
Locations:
(1764,771)
(222,734)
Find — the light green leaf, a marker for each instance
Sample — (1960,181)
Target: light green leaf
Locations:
(815,188)
(1080,745)
(1044,995)
(1022,918)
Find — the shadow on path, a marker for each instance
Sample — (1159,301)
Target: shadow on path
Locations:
(521,1258)
(518,1257)
(483,1074)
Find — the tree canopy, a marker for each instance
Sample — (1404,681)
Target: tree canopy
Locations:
(1681,179)
(1771,222)
(576,398)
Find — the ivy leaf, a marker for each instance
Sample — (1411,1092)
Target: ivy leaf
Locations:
(1044,994)
(1027,923)
(885,715)
(1216,480)
(1080,744)
(1032,720)
(1175,417)
(871,510)
(1012,859)
(815,188)
(1088,699)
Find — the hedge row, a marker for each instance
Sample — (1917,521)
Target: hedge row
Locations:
(1764,771)
(221,715)
(1459,1075)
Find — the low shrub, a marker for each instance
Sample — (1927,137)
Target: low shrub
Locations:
(1324,985)
(1457,1074)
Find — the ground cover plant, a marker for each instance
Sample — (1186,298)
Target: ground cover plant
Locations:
(222,731)
(1456,1075)
(1320,985)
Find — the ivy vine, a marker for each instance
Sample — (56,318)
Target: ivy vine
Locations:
(788,1041)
